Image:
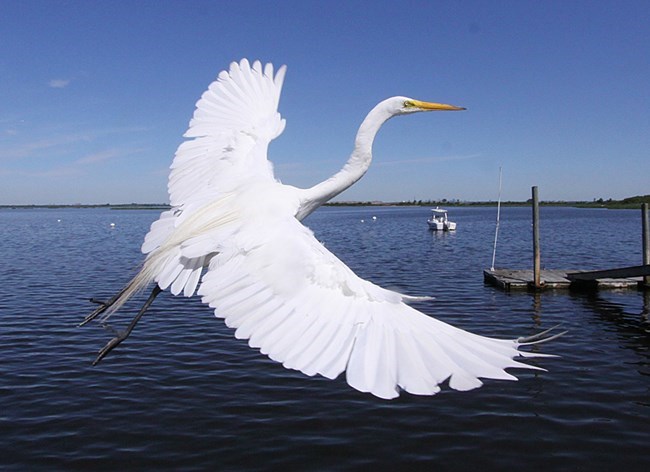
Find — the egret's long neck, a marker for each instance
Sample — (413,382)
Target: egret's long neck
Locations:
(353,170)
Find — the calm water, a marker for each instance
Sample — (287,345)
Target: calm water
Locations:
(181,393)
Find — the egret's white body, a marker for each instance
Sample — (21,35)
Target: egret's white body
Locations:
(234,233)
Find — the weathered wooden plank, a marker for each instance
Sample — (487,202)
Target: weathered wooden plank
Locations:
(510,279)
(623,272)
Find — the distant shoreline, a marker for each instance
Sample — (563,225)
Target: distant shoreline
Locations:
(129,206)
(627,203)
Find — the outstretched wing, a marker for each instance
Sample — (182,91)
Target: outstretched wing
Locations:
(234,121)
(303,307)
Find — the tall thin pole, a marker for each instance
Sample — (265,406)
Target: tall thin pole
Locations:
(645,230)
(496,231)
(536,251)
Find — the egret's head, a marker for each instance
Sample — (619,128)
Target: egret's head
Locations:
(403,105)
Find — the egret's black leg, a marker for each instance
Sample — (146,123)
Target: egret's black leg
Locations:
(103,306)
(125,334)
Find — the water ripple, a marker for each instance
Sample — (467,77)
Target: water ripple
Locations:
(182,393)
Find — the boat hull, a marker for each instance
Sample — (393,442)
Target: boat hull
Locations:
(438,226)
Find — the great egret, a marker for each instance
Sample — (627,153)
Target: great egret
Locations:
(234,231)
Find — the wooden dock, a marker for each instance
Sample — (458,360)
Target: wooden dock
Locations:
(509,279)
(539,279)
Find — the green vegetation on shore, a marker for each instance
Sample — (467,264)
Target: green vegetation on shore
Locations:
(630,202)
(626,203)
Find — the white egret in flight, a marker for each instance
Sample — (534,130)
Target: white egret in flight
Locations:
(235,233)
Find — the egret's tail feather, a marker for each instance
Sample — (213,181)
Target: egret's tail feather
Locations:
(143,278)
(540,337)
(416,298)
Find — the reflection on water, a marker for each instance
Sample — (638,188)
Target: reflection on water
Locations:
(181,393)
(630,324)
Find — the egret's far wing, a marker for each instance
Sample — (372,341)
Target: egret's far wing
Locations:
(303,307)
(234,121)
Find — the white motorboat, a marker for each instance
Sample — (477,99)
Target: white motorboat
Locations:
(439,221)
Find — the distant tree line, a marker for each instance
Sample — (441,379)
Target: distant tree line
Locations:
(629,202)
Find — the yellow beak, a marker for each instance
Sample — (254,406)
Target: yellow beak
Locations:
(435,106)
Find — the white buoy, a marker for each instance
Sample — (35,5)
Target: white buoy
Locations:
(112,225)
(374,217)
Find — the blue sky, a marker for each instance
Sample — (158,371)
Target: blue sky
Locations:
(95,95)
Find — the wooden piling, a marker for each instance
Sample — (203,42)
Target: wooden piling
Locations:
(537,260)
(645,231)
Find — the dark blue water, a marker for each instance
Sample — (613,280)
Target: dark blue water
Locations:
(182,394)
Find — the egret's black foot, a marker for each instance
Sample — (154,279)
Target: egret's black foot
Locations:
(121,336)
(103,306)
(112,344)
